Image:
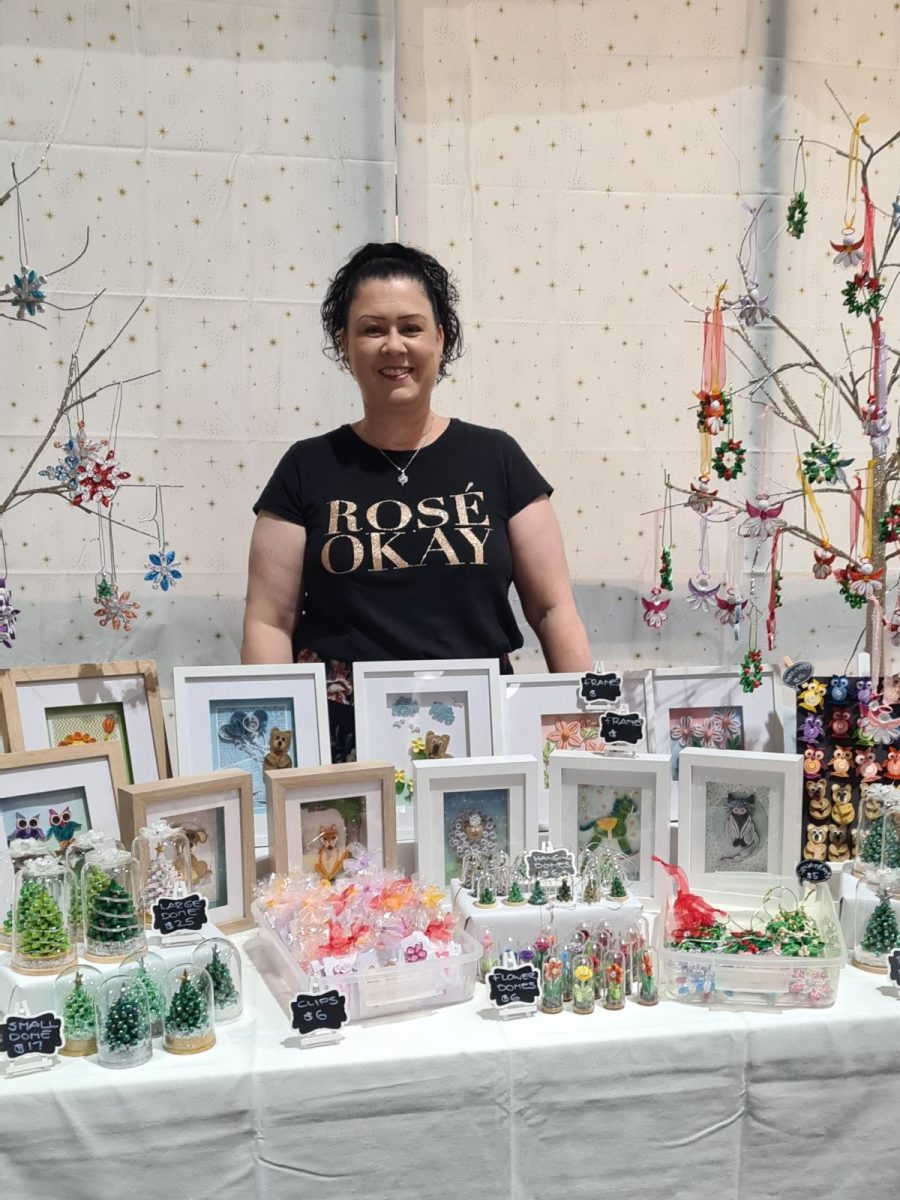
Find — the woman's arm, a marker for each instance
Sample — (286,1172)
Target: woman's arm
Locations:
(541,577)
(274,580)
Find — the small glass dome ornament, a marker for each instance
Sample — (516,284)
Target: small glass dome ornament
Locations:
(876,932)
(189,1025)
(150,971)
(222,963)
(43,938)
(123,1023)
(647,975)
(110,905)
(582,984)
(552,984)
(498,866)
(614,967)
(163,855)
(878,837)
(81,844)
(20,851)
(75,999)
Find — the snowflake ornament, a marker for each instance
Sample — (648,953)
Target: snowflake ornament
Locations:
(99,480)
(8,616)
(114,607)
(25,293)
(162,569)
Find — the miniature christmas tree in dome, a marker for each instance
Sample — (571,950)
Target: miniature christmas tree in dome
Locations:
(41,932)
(30,889)
(617,888)
(514,895)
(162,880)
(78,1013)
(155,1000)
(538,896)
(224,991)
(564,891)
(126,1023)
(188,1023)
(112,918)
(881,839)
(486,896)
(881,935)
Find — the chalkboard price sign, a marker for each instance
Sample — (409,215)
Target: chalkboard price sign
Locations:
(550,864)
(798,673)
(600,688)
(622,727)
(31,1035)
(810,871)
(327,1010)
(179,914)
(510,985)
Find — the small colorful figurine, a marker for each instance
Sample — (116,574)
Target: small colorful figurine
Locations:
(816,842)
(841,762)
(864,691)
(819,806)
(812,695)
(839,689)
(867,765)
(840,723)
(892,763)
(812,761)
(812,729)
(842,811)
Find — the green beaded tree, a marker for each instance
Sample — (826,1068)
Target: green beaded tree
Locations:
(224,991)
(41,932)
(154,992)
(29,889)
(617,888)
(94,881)
(538,895)
(881,934)
(871,849)
(126,1024)
(564,891)
(111,916)
(78,1012)
(514,895)
(188,1013)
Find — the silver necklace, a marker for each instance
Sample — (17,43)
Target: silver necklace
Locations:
(403,476)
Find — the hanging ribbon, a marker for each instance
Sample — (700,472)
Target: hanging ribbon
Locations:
(890,691)
(813,504)
(876,666)
(853,172)
(855,514)
(868,513)
(774,589)
(714,348)
(868,246)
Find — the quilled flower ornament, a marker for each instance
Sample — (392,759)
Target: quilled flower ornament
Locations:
(750,308)
(889,524)
(655,614)
(8,616)
(822,462)
(728,461)
(879,723)
(24,293)
(99,480)
(162,569)
(751,671)
(114,608)
(80,454)
(823,557)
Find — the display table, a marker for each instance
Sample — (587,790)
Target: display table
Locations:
(672,1101)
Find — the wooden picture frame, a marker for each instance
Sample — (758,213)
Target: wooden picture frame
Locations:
(125,695)
(216,807)
(51,777)
(328,791)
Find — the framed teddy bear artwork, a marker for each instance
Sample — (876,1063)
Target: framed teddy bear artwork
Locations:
(253,719)
(322,818)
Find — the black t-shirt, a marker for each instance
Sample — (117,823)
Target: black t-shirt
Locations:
(395,571)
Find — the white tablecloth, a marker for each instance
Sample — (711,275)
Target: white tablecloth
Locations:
(672,1101)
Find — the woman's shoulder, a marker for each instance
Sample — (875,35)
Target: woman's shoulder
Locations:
(484,435)
(311,449)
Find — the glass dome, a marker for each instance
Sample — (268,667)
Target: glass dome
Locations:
(43,935)
(123,1023)
(189,1024)
(163,855)
(75,1000)
(111,908)
(222,963)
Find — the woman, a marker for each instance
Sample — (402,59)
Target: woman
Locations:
(397,537)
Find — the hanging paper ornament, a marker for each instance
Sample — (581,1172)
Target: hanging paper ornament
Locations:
(863,578)
(79,456)
(797,214)
(824,556)
(99,480)
(849,251)
(655,614)
(115,608)
(895,213)
(25,293)
(862,294)
(665,569)
(889,524)
(162,570)
(750,309)
(8,616)
(751,671)
(702,497)
(822,462)
(728,462)
(702,594)
(893,626)
(762,519)
(731,608)
(713,411)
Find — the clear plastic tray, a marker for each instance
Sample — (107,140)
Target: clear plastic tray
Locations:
(701,977)
(380,993)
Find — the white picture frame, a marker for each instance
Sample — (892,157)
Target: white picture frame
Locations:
(579,780)
(465,695)
(234,699)
(532,702)
(706,690)
(84,779)
(215,809)
(321,794)
(707,848)
(439,806)
(40,706)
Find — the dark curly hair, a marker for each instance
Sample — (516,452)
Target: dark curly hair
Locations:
(392,260)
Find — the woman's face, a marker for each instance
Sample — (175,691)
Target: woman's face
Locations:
(392,343)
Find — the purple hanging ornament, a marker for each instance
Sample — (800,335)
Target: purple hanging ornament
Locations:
(8,616)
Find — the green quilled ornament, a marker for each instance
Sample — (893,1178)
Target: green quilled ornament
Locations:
(862,295)
(889,524)
(797,214)
(665,569)
(728,460)
(751,671)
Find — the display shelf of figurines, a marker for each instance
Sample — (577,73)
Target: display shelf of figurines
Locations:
(78,940)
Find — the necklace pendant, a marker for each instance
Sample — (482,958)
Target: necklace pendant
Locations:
(403,478)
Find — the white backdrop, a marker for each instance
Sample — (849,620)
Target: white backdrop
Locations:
(568,160)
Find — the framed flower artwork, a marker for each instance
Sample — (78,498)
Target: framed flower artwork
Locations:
(215,810)
(322,817)
(739,816)
(254,719)
(484,803)
(706,708)
(599,801)
(545,713)
(420,711)
(85,704)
